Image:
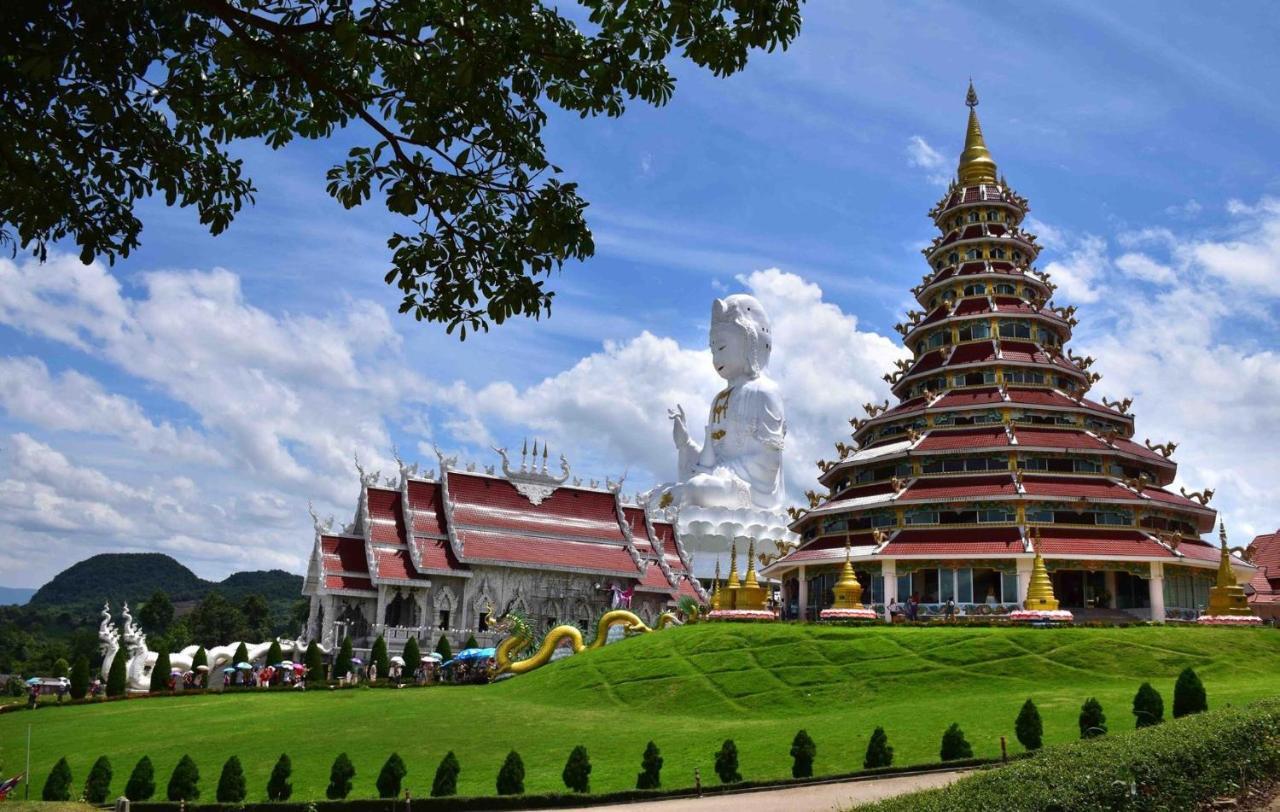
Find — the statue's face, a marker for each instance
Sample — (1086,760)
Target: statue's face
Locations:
(729,351)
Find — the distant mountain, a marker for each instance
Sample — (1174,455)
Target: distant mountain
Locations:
(15,596)
(134,577)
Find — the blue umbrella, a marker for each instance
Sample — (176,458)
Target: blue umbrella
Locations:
(244,666)
(228,671)
(34,681)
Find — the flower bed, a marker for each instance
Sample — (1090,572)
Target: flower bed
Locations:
(1229,620)
(848,614)
(755,615)
(1041,616)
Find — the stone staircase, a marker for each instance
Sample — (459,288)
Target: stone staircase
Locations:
(1118,616)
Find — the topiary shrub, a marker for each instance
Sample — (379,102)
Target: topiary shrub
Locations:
(577,770)
(412,654)
(342,665)
(803,750)
(231,789)
(1028,727)
(954,745)
(115,676)
(184,784)
(727,763)
(98,785)
(274,654)
(142,781)
(57,787)
(879,753)
(389,778)
(241,655)
(160,671)
(314,661)
(340,775)
(446,780)
(511,776)
(650,776)
(1148,706)
(201,657)
(379,657)
(443,649)
(80,678)
(1188,695)
(1093,722)
(279,787)
(471,642)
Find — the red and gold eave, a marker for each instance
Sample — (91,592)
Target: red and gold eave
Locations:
(993,417)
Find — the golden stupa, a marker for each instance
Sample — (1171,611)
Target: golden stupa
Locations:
(1040,591)
(847,590)
(1227,597)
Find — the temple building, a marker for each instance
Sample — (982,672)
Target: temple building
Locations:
(1264,588)
(443,553)
(993,453)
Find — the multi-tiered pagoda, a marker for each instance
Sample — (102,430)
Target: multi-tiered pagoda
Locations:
(994,452)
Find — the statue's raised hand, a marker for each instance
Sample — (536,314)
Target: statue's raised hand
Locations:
(679,428)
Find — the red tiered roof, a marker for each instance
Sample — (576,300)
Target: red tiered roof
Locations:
(343,554)
(966,541)
(985,437)
(427,506)
(960,487)
(494,505)
(1266,557)
(482,546)
(1082,487)
(1057,438)
(1075,542)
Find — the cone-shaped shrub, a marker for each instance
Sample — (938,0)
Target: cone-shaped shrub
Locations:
(201,657)
(315,663)
(184,784)
(115,676)
(278,786)
(342,665)
(57,787)
(379,657)
(160,671)
(446,780)
(511,776)
(392,774)
(803,750)
(650,776)
(1028,726)
(1093,722)
(471,642)
(727,763)
(231,787)
(274,654)
(142,781)
(412,654)
(1188,695)
(577,770)
(340,776)
(954,745)
(242,654)
(879,753)
(1148,706)
(443,649)
(98,785)
(80,678)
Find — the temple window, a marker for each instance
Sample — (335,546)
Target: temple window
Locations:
(482,622)
(1023,376)
(953,257)
(834,524)
(974,216)
(883,519)
(972,330)
(1017,256)
(1088,467)
(921,516)
(958,517)
(1015,329)
(998,253)
(996,515)
(973,253)
(443,617)
(1040,514)
(1004,288)
(975,289)
(995,216)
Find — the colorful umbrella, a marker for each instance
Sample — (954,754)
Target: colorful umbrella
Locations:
(244,666)
(202,668)
(34,681)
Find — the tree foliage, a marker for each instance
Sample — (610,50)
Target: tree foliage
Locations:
(315,663)
(343,665)
(392,773)
(214,621)
(1028,726)
(279,787)
(412,653)
(156,614)
(1148,706)
(231,787)
(274,653)
(184,783)
(378,656)
(445,783)
(577,770)
(57,786)
(879,752)
(727,763)
(160,671)
(142,781)
(511,775)
(650,776)
(1188,694)
(116,683)
(803,751)
(471,642)
(1093,722)
(124,102)
(80,678)
(340,775)
(98,785)
(954,744)
(444,649)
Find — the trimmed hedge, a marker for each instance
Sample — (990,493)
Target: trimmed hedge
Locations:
(1178,765)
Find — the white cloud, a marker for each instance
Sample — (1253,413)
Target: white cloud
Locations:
(1146,268)
(1185,210)
(922,155)
(1078,274)
(1250,260)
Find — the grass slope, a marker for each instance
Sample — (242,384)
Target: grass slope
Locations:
(687,689)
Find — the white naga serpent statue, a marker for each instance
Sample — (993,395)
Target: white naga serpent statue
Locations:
(521,638)
(140,661)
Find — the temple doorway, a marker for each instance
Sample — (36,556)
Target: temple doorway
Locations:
(1078,589)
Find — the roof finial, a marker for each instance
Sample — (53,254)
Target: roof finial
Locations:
(971,98)
(976,164)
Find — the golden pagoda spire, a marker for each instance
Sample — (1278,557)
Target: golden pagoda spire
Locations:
(1227,597)
(1040,590)
(1225,576)
(750,582)
(976,164)
(847,590)
(715,588)
(734,583)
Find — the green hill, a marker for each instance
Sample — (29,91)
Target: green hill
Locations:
(687,689)
(134,577)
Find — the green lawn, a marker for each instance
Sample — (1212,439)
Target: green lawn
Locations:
(687,689)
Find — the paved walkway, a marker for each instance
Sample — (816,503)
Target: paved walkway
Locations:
(812,798)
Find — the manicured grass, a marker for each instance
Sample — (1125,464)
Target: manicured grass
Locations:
(688,689)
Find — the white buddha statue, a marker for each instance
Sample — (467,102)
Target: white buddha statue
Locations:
(738,465)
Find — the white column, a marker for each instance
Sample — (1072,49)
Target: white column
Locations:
(889,572)
(1025,565)
(803,597)
(1111,588)
(381,612)
(313,615)
(1155,587)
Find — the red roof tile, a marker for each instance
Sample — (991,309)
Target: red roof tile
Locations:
(968,397)
(436,554)
(964,541)
(970,306)
(497,547)
(428,509)
(495,505)
(343,554)
(385,516)
(654,581)
(1075,488)
(394,564)
(1199,551)
(938,440)
(960,487)
(971,353)
(348,582)
(1056,541)
(1057,438)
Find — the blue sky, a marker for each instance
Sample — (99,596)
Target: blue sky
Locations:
(194,397)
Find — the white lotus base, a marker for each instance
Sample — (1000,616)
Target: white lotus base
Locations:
(1040,615)
(1229,620)
(848,614)
(742,614)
